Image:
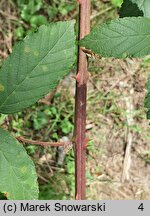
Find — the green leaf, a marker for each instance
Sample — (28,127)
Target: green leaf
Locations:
(18,179)
(147,98)
(135,8)
(38,20)
(29,8)
(130,9)
(127,37)
(117,3)
(36,65)
(20,32)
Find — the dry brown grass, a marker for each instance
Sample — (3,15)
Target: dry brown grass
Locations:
(8,23)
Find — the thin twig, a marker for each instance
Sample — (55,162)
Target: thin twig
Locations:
(100,13)
(44,144)
(44,179)
(127,157)
(130,121)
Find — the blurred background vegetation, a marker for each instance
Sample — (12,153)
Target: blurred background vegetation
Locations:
(115,90)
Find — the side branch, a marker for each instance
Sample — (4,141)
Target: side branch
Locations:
(44,144)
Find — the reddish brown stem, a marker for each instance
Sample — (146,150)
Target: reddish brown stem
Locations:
(80,103)
(44,144)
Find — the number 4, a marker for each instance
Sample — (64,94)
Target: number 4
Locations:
(141,207)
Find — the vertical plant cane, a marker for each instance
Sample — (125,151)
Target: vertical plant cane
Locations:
(80,103)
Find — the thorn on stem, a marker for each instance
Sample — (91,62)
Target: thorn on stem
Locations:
(86,143)
(77,197)
(77,77)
